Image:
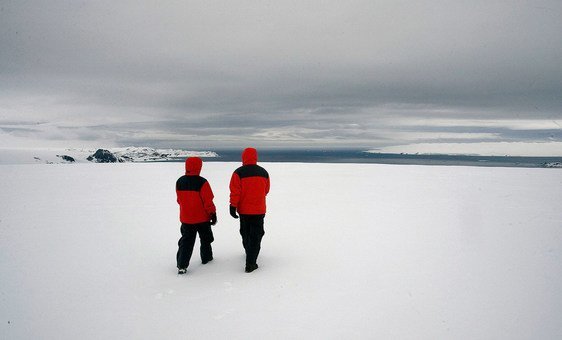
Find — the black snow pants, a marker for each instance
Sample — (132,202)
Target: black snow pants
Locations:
(251,230)
(187,241)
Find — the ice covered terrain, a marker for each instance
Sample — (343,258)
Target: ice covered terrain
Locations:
(350,252)
(81,155)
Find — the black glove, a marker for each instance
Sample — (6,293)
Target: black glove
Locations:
(213,218)
(233,211)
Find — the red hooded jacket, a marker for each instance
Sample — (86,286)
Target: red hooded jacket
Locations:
(249,185)
(194,194)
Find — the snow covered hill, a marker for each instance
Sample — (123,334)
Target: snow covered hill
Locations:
(76,155)
(350,252)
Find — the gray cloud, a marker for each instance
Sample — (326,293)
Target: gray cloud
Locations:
(362,73)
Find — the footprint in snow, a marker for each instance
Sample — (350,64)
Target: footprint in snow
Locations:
(228,286)
(223,314)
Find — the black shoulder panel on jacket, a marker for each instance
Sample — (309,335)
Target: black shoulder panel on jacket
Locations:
(252,170)
(190,183)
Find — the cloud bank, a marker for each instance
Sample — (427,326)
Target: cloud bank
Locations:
(208,74)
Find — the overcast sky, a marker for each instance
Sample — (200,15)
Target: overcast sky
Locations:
(388,75)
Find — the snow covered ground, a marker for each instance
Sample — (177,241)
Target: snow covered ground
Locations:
(87,251)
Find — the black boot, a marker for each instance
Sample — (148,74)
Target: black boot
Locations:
(251,267)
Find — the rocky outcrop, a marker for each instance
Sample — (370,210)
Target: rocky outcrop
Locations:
(104,156)
(67,158)
(552,165)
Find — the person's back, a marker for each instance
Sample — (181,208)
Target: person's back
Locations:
(197,214)
(194,194)
(249,186)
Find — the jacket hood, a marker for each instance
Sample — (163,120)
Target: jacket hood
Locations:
(249,156)
(193,166)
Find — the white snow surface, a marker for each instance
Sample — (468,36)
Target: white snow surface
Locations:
(350,252)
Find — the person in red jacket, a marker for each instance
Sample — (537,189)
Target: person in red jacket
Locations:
(249,185)
(197,214)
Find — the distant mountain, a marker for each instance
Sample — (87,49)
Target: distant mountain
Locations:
(109,155)
(143,154)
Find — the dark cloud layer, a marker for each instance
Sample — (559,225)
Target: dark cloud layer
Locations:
(209,73)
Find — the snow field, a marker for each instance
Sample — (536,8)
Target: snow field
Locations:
(350,251)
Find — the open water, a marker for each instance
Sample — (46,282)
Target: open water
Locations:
(359,156)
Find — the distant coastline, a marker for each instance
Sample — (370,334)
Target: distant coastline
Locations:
(362,157)
(146,155)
